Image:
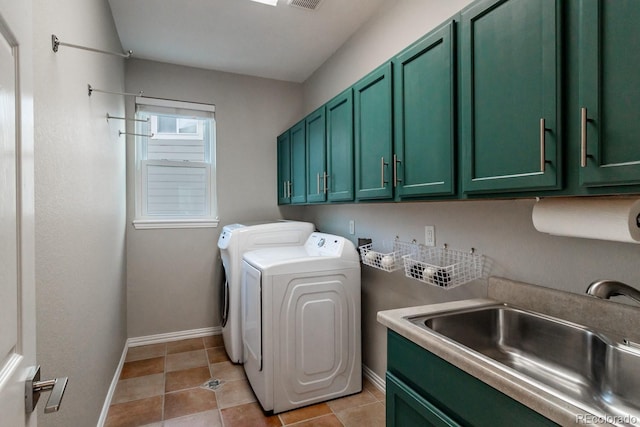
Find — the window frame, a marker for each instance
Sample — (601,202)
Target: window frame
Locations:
(142,219)
(198,135)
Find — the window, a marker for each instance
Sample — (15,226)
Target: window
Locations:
(175,164)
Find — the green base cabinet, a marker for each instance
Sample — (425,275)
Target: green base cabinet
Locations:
(373,134)
(424,125)
(339,113)
(510,112)
(405,407)
(609,92)
(433,392)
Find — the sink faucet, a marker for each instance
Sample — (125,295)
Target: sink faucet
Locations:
(606,289)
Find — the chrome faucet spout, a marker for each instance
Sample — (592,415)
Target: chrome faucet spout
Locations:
(606,289)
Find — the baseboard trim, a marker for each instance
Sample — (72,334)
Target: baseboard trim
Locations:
(146,340)
(173,336)
(112,388)
(374,378)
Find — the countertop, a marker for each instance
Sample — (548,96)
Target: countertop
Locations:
(607,316)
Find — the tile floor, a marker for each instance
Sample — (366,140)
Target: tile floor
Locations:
(160,386)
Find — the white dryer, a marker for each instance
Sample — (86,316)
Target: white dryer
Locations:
(234,241)
(301,322)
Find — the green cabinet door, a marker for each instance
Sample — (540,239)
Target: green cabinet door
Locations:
(406,408)
(424,116)
(609,92)
(461,397)
(284,168)
(316,156)
(298,190)
(340,147)
(373,134)
(509,95)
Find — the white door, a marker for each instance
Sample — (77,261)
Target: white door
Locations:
(17,289)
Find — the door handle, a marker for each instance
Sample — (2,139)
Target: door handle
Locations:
(382,165)
(583,137)
(33,388)
(543,160)
(326,178)
(396,180)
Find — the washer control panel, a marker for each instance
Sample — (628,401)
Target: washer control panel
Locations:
(322,244)
(225,235)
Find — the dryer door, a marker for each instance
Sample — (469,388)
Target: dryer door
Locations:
(224,303)
(224,291)
(252,315)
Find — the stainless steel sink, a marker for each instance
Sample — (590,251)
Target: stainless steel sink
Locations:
(596,372)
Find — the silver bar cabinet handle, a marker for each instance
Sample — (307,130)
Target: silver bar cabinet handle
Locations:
(382,165)
(318,183)
(326,177)
(396,180)
(583,137)
(543,160)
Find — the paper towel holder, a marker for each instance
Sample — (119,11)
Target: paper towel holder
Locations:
(600,218)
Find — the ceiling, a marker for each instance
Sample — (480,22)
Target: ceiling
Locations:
(240,36)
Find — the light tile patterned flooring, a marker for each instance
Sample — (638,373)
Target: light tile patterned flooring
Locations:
(160,386)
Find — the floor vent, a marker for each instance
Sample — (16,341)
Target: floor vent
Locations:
(305,4)
(213,384)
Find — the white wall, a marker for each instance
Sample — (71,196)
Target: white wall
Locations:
(398,24)
(80,206)
(173,276)
(501,230)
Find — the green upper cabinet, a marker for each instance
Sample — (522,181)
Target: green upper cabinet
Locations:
(298,190)
(373,134)
(339,113)
(284,169)
(424,76)
(509,95)
(316,156)
(609,92)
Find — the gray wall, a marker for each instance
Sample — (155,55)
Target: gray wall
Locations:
(501,230)
(173,276)
(79,205)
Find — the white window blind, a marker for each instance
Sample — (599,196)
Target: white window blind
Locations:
(175,164)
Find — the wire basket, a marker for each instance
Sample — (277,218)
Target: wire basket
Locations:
(389,260)
(443,267)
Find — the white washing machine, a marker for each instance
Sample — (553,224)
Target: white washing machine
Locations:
(234,241)
(301,322)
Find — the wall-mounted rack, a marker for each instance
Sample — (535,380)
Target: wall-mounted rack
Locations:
(120,133)
(56,43)
(92,89)
(109,116)
(389,256)
(443,267)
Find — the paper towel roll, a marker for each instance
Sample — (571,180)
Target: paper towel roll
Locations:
(604,218)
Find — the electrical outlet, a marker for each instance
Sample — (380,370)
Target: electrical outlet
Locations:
(352,227)
(430,235)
